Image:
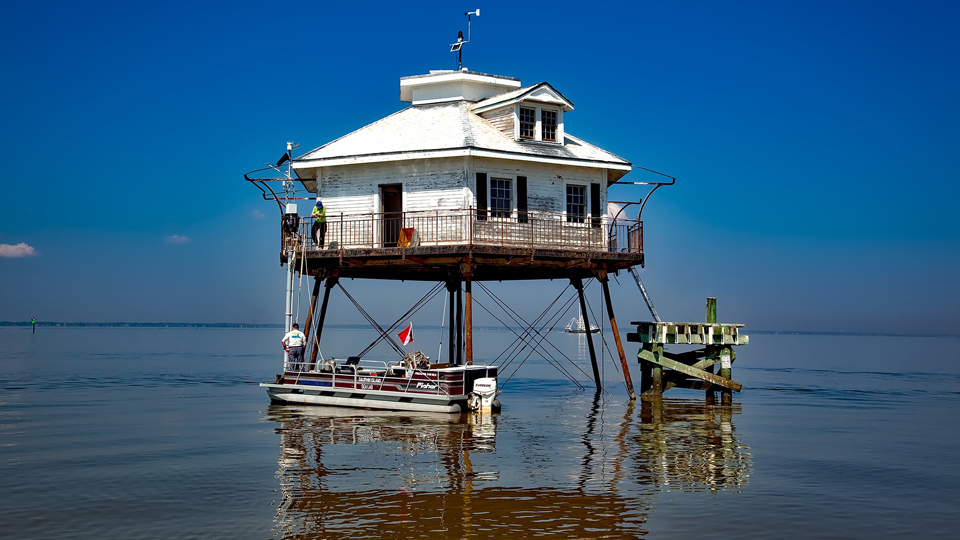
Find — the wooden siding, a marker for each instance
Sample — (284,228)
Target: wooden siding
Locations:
(502,119)
(546,191)
(427,185)
(450,185)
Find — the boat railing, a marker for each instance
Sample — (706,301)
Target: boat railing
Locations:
(379,370)
(435,228)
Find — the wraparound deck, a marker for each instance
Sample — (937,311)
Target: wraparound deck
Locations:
(424,245)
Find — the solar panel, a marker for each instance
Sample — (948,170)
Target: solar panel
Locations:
(456,47)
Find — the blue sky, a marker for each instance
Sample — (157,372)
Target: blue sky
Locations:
(815,146)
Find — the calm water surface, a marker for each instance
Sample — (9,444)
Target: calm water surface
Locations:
(163,433)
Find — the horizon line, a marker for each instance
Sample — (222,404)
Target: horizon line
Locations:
(122,324)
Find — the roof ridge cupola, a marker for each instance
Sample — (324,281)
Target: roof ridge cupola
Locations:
(447,85)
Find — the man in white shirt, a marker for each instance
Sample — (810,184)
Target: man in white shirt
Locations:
(293,344)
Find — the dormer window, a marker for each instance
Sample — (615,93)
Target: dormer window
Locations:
(528,123)
(548,120)
(527,114)
(537,123)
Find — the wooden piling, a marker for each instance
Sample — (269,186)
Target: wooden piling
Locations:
(726,359)
(646,378)
(711,394)
(656,374)
(725,355)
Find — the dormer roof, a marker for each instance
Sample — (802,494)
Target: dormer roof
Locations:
(541,93)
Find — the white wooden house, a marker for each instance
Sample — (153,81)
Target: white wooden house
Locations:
(475,159)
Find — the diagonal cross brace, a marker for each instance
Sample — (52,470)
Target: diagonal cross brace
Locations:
(689,370)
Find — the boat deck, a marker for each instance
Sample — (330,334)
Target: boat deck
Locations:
(440,389)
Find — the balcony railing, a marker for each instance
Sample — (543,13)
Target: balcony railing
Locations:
(536,230)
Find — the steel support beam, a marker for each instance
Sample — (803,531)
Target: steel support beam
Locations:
(309,321)
(468,320)
(604,281)
(578,284)
(330,283)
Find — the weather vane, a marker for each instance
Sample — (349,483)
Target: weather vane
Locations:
(458,46)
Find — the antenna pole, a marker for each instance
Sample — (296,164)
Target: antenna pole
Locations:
(458,46)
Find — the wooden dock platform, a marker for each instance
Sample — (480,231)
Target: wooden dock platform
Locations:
(661,370)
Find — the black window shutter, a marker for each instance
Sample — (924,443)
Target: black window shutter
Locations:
(522,199)
(481,195)
(595,204)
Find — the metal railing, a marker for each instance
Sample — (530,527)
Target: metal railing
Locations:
(537,230)
(373,374)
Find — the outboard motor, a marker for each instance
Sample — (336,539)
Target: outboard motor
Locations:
(484,395)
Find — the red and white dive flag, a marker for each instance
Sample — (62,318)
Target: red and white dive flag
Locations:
(406,336)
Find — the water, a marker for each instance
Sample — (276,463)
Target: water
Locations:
(163,433)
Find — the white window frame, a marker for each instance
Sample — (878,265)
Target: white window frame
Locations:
(536,123)
(556,127)
(513,196)
(538,126)
(586,203)
(585,183)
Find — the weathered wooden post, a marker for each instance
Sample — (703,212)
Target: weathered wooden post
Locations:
(656,373)
(646,380)
(711,394)
(725,353)
(726,359)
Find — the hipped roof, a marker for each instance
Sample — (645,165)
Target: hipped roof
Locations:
(451,129)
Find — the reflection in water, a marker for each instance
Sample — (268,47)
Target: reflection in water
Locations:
(691,446)
(367,474)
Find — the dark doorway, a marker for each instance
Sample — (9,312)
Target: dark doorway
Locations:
(391,202)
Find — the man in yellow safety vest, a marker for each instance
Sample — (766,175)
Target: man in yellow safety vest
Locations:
(319,229)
